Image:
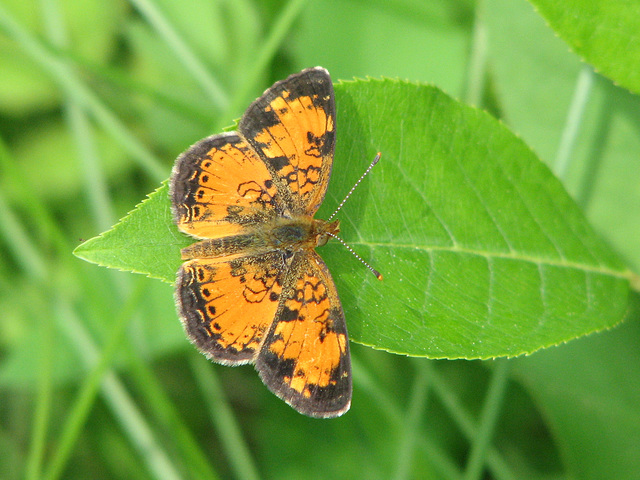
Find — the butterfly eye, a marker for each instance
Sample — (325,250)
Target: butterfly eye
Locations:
(322,240)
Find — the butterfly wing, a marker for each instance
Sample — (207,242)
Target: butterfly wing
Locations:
(219,187)
(227,305)
(304,358)
(292,127)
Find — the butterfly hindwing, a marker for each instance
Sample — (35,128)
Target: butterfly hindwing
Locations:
(226,306)
(304,358)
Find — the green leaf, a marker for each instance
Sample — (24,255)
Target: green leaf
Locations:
(483,252)
(537,78)
(145,241)
(606,34)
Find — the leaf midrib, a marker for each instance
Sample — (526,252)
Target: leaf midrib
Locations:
(626,273)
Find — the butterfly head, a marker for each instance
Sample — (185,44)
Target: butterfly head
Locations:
(323,230)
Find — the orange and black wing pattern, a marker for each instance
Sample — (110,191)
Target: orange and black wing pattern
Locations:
(292,127)
(253,290)
(220,186)
(305,356)
(227,306)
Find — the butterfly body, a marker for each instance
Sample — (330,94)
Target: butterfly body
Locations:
(287,234)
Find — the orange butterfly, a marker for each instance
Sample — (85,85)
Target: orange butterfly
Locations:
(254,290)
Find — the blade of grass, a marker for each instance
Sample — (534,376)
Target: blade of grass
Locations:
(123,407)
(597,148)
(119,400)
(184,53)
(116,394)
(118,81)
(24,248)
(79,126)
(24,251)
(28,256)
(477,65)
(44,225)
(44,395)
(488,418)
(575,116)
(417,406)
(102,209)
(441,461)
(168,418)
(19,240)
(94,179)
(35,268)
(75,88)
(272,42)
(223,418)
(464,420)
(78,413)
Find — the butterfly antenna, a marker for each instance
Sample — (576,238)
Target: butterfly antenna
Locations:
(375,160)
(373,270)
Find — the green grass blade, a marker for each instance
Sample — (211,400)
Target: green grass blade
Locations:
(81,94)
(168,419)
(42,410)
(184,53)
(575,117)
(89,389)
(236,449)
(488,419)
(122,405)
(496,463)
(268,50)
(412,422)
(390,411)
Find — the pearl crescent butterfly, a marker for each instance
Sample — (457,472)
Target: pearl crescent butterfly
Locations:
(254,290)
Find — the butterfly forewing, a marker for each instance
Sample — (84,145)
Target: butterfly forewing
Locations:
(220,186)
(292,127)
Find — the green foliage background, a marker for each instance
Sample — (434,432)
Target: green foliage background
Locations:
(98,98)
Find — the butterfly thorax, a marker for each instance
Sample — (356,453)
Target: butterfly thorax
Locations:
(287,234)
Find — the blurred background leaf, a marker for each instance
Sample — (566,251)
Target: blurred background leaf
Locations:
(605,35)
(96,377)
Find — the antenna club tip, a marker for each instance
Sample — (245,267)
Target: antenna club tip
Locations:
(378,275)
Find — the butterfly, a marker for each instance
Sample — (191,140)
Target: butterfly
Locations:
(253,289)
